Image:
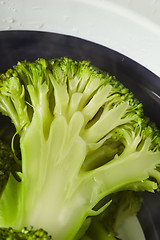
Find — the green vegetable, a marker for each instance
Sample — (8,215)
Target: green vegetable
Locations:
(8,164)
(83,136)
(105,226)
(25,234)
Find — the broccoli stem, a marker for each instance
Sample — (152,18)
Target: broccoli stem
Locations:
(65,111)
(63,182)
(128,169)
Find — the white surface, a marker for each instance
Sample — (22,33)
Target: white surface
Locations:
(131,27)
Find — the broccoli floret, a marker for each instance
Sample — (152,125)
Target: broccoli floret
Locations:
(5,164)
(8,164)
(83,136)
(105,226)
(24,234)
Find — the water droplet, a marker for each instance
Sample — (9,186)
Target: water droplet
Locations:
(11,20)
(75,30)
(20,24)
(9,28)
(39,26)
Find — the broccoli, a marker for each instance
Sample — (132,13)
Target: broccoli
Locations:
(8,165)
(24,234)
(106,225)
(83,136)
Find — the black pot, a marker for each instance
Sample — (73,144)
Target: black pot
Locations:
(30,45)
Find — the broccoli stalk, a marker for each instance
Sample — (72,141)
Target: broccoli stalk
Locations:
(68,115)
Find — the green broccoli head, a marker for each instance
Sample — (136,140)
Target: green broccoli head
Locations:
(24,234)
(8,164)
(83,136)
